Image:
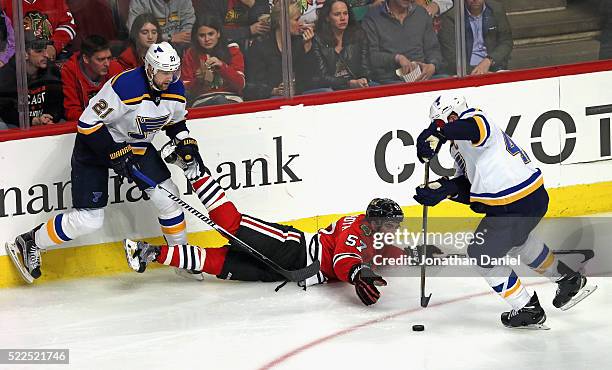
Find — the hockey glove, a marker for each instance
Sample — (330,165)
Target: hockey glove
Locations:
(187,150)
(429,143)
(122,159)
(436,191)
(366,281)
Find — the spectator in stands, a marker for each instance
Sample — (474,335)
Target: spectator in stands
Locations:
(605,49)
(488,37)
(49,17)
(45,98)
(264,60)
(92,17)
(7,39)
(401,36)
(212,69)
(341,48)
(85,73)
(243,20)
(435,8)
(175,17)
(145,32)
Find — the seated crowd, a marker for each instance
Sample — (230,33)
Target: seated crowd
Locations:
(232,49)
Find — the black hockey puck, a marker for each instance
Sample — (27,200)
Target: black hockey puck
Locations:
(418,327)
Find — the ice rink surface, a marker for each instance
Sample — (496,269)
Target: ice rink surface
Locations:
(158,320)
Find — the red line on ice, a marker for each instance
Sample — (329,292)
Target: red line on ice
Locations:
(350,329)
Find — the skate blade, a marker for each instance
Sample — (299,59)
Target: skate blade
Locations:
(582,294)
(187,275)
(530,327)
(12,251)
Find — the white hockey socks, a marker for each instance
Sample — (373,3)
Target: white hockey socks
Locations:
(504,281)
(535,254)
(67,226)
(171,217)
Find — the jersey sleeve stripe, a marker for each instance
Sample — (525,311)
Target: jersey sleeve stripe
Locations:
(84,129)
(341,256)
(483,127)
(68,29)
(512,194)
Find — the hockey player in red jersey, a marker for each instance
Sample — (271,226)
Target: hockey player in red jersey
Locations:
(344,248)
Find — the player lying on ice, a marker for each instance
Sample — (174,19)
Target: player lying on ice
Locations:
(343,248)
(495,177)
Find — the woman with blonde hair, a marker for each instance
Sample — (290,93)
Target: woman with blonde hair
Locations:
(264,58)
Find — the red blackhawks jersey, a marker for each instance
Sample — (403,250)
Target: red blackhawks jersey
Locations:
(49,19)
(342,245)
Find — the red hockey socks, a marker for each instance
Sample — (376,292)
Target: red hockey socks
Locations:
(191,257)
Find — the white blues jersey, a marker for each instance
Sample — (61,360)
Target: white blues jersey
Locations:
(499,171)
(131,112)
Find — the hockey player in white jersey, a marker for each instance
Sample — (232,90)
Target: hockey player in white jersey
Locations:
(115,131)
(496,177)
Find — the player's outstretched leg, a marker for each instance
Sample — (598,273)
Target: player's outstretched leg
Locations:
(531,316)
(188,257)
(25,255)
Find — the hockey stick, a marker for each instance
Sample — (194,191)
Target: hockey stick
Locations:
(291,275)
(424,298)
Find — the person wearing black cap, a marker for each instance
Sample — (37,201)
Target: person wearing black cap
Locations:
(45,98)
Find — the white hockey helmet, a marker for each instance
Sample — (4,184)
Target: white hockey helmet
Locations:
(444,106)
(162,57)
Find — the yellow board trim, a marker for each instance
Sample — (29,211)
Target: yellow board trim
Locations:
(109,258)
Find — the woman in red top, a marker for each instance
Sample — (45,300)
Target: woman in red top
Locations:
(212,69)
(144,33)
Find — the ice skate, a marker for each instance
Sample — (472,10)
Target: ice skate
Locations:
(572,289)
(25,255)
(139,254)
(531,316)
(189,274)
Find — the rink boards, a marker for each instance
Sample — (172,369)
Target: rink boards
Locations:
(306,164)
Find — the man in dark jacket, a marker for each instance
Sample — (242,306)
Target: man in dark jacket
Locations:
(45,98)
(487,33)
(401,36)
